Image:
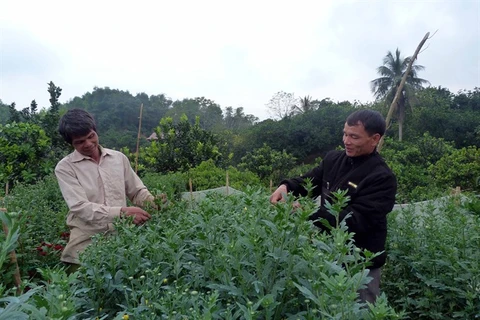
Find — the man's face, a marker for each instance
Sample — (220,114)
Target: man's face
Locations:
(357,141)
(87,144)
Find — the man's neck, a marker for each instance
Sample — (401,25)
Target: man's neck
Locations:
(96,155)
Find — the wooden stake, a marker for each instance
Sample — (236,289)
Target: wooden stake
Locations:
(393,105)
(456,194)
(456,191)
(227,182)
(138,137)
(191,189)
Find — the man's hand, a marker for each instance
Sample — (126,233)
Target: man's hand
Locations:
(161,199)
(139,215)
(278,194)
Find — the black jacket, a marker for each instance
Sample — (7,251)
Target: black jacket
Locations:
(371,186)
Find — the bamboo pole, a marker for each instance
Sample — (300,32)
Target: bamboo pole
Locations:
(191,188)
(138,137)
(227,182)
(393,105)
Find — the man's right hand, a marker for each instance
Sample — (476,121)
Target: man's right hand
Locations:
(278,194)
(139,215)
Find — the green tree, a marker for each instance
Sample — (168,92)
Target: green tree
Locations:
(459,168)
(268,164)
(15,115)
(306,104)
(385,87)
(25,115)
(210,113)
(4,113)
(236,120)
(467,100)
(24,151)
(305,136)
(117,114)
(30,114)
(180,146)
(411,160)
(453,117)
(52,116)
(154,109)
(207,176)
(188,107)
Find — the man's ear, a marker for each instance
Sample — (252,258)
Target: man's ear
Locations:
(376,138)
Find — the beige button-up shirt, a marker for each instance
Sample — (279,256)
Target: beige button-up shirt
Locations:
(95,194)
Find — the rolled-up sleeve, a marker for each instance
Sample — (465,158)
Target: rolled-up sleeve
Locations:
(134,187)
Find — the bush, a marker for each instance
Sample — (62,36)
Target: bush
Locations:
(180,147)
(41,214)
(24,154)
(268,164)
(205,176)
(226,258)
(223,258)
(410,162)
(172,184)
(433,267)
(208,176)
(459,168)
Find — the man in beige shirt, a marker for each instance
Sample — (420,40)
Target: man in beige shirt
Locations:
(95,183)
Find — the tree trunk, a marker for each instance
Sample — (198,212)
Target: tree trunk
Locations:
(400,88)
(400,130)
(401,116)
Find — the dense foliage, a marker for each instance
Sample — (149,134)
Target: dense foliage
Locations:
(41,212)
(205,176)
(4,113)
(117,113)
(24,149)
(268,164)
(224,258)
(229,257)
(180,147)
(209,176)
(452,117)
(429,167)
(433,269)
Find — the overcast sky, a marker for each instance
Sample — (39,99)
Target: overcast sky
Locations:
(237,53)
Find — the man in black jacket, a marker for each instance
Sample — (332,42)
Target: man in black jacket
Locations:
(370,183)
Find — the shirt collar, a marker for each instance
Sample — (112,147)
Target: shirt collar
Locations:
(77,156)
(363,158)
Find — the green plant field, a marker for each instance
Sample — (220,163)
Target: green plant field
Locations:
(239,257)
(433,270)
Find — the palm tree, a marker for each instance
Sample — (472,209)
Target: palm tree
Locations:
(306,105)
(386,86)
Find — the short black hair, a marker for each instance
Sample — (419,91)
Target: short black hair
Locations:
(372,120)
(76,123)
